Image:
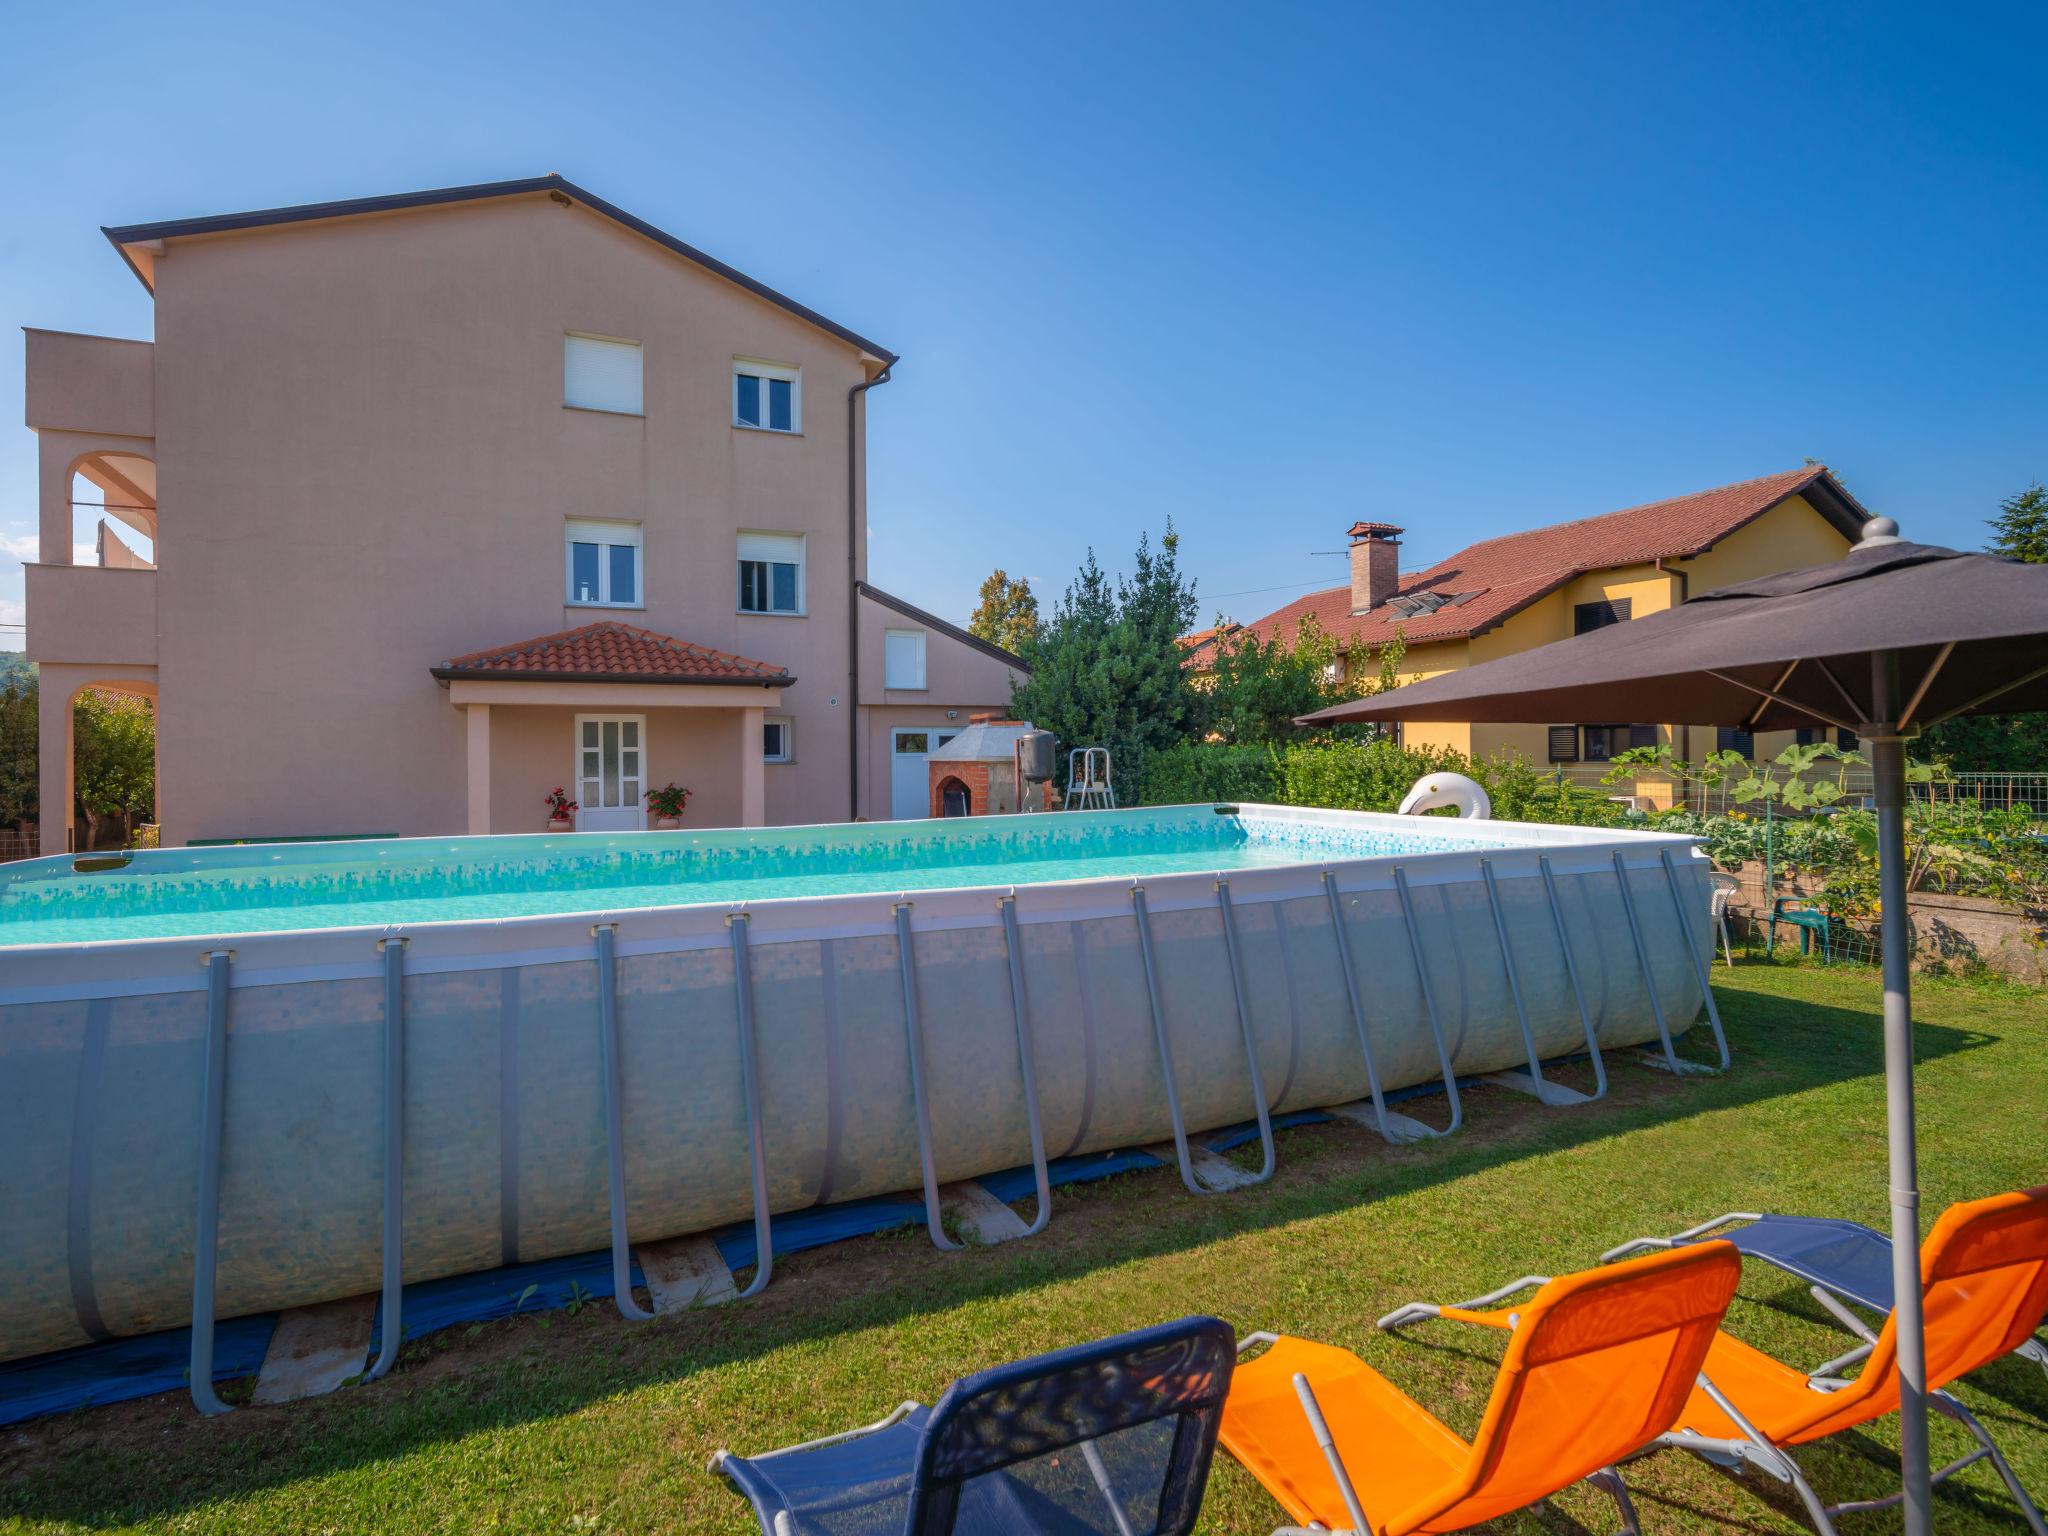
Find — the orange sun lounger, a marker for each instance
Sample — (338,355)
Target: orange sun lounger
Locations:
(1984,1273)
(1597,1366)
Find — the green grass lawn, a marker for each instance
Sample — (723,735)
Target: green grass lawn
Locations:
(587,1423)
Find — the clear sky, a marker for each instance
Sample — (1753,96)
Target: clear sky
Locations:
(1261,269)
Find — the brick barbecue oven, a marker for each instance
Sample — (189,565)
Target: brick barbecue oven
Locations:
(975,774)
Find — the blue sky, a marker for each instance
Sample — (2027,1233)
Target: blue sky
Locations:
(1263,270)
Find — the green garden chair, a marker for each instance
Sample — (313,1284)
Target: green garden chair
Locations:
(1812,921)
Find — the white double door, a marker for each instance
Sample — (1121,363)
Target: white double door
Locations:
(910,749)
(611,770)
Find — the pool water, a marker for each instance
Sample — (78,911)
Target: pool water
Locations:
(265,888)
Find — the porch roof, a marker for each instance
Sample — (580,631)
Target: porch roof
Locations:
(611,652)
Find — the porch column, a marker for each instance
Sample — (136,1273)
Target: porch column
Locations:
(53,761)
(753,775)
(479,720)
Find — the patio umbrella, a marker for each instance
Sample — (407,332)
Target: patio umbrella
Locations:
(1892,638)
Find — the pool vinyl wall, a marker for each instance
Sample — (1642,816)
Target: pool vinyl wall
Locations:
(103,1055)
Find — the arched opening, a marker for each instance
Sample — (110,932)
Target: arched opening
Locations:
(113,511)
(94,787)
(113,765)
(954,798)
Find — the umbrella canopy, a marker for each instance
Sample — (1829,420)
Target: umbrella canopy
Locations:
(1794,649)
(1891,638)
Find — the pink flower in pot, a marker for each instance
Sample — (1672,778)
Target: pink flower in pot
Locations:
(561,811)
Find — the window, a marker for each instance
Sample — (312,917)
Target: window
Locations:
(604,564)
(1730,739)
(601,373)
(1564,743)
(903,658)
(1587,617)
(775,739)
(766,396)
(1604,743)
(1845,741)
(771,573)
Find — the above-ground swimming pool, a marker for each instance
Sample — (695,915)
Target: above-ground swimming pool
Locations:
(549,1043)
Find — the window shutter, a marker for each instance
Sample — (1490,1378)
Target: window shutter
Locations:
(1564,743)
(1587,617)
(779,548)
(601,375)
(1730,739)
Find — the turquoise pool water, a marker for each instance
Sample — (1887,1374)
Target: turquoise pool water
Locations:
(263,888)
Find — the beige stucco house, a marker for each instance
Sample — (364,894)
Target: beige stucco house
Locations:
(458,496)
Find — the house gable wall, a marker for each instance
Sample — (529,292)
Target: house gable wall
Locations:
(365,464)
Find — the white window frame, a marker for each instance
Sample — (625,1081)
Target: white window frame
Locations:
(803,561)
(611,536)
(755,368)
(788,753)
(639,407)
(888,678)
(639,723)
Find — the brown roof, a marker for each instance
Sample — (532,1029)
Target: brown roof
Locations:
(1485,584)
(611,652)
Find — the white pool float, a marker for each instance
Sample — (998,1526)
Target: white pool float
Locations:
(1453,789)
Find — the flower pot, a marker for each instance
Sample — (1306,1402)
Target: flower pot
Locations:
(667,823)
(561,824)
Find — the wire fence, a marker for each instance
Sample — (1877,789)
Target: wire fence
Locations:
(17,845)
(1660,792)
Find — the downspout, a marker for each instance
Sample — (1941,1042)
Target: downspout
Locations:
(1684,597)
(853,733)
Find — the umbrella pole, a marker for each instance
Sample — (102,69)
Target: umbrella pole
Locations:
(1888,772)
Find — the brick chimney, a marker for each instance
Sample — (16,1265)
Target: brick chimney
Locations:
(1375,564)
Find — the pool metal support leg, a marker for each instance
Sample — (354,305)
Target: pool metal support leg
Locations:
(607,935)
(1530,1081)
(750,1090)
(206,1236)
(1571,974)
(1396,1129)
(391,1311)
(1669,1061)
(1699,963)
(1020,1009)
(914,1034)
(1188,1176)
(1436,1026)
(1244,1027)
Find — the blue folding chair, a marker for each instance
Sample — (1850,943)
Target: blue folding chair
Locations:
(1841,1261)
(1106,1439)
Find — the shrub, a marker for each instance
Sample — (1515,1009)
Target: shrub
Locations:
(1193,772)
(1356,776)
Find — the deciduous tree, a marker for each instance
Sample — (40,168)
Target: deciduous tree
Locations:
(1008,612)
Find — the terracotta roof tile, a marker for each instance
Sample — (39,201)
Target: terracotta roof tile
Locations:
(613,652)
(1493,580)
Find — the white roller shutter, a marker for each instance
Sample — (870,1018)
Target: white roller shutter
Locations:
(601,375)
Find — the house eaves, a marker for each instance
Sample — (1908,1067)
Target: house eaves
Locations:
(133,239)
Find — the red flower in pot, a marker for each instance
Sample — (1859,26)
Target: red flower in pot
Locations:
(561,810)
(667,805)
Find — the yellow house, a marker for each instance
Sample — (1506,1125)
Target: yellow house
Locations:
(1527,589)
